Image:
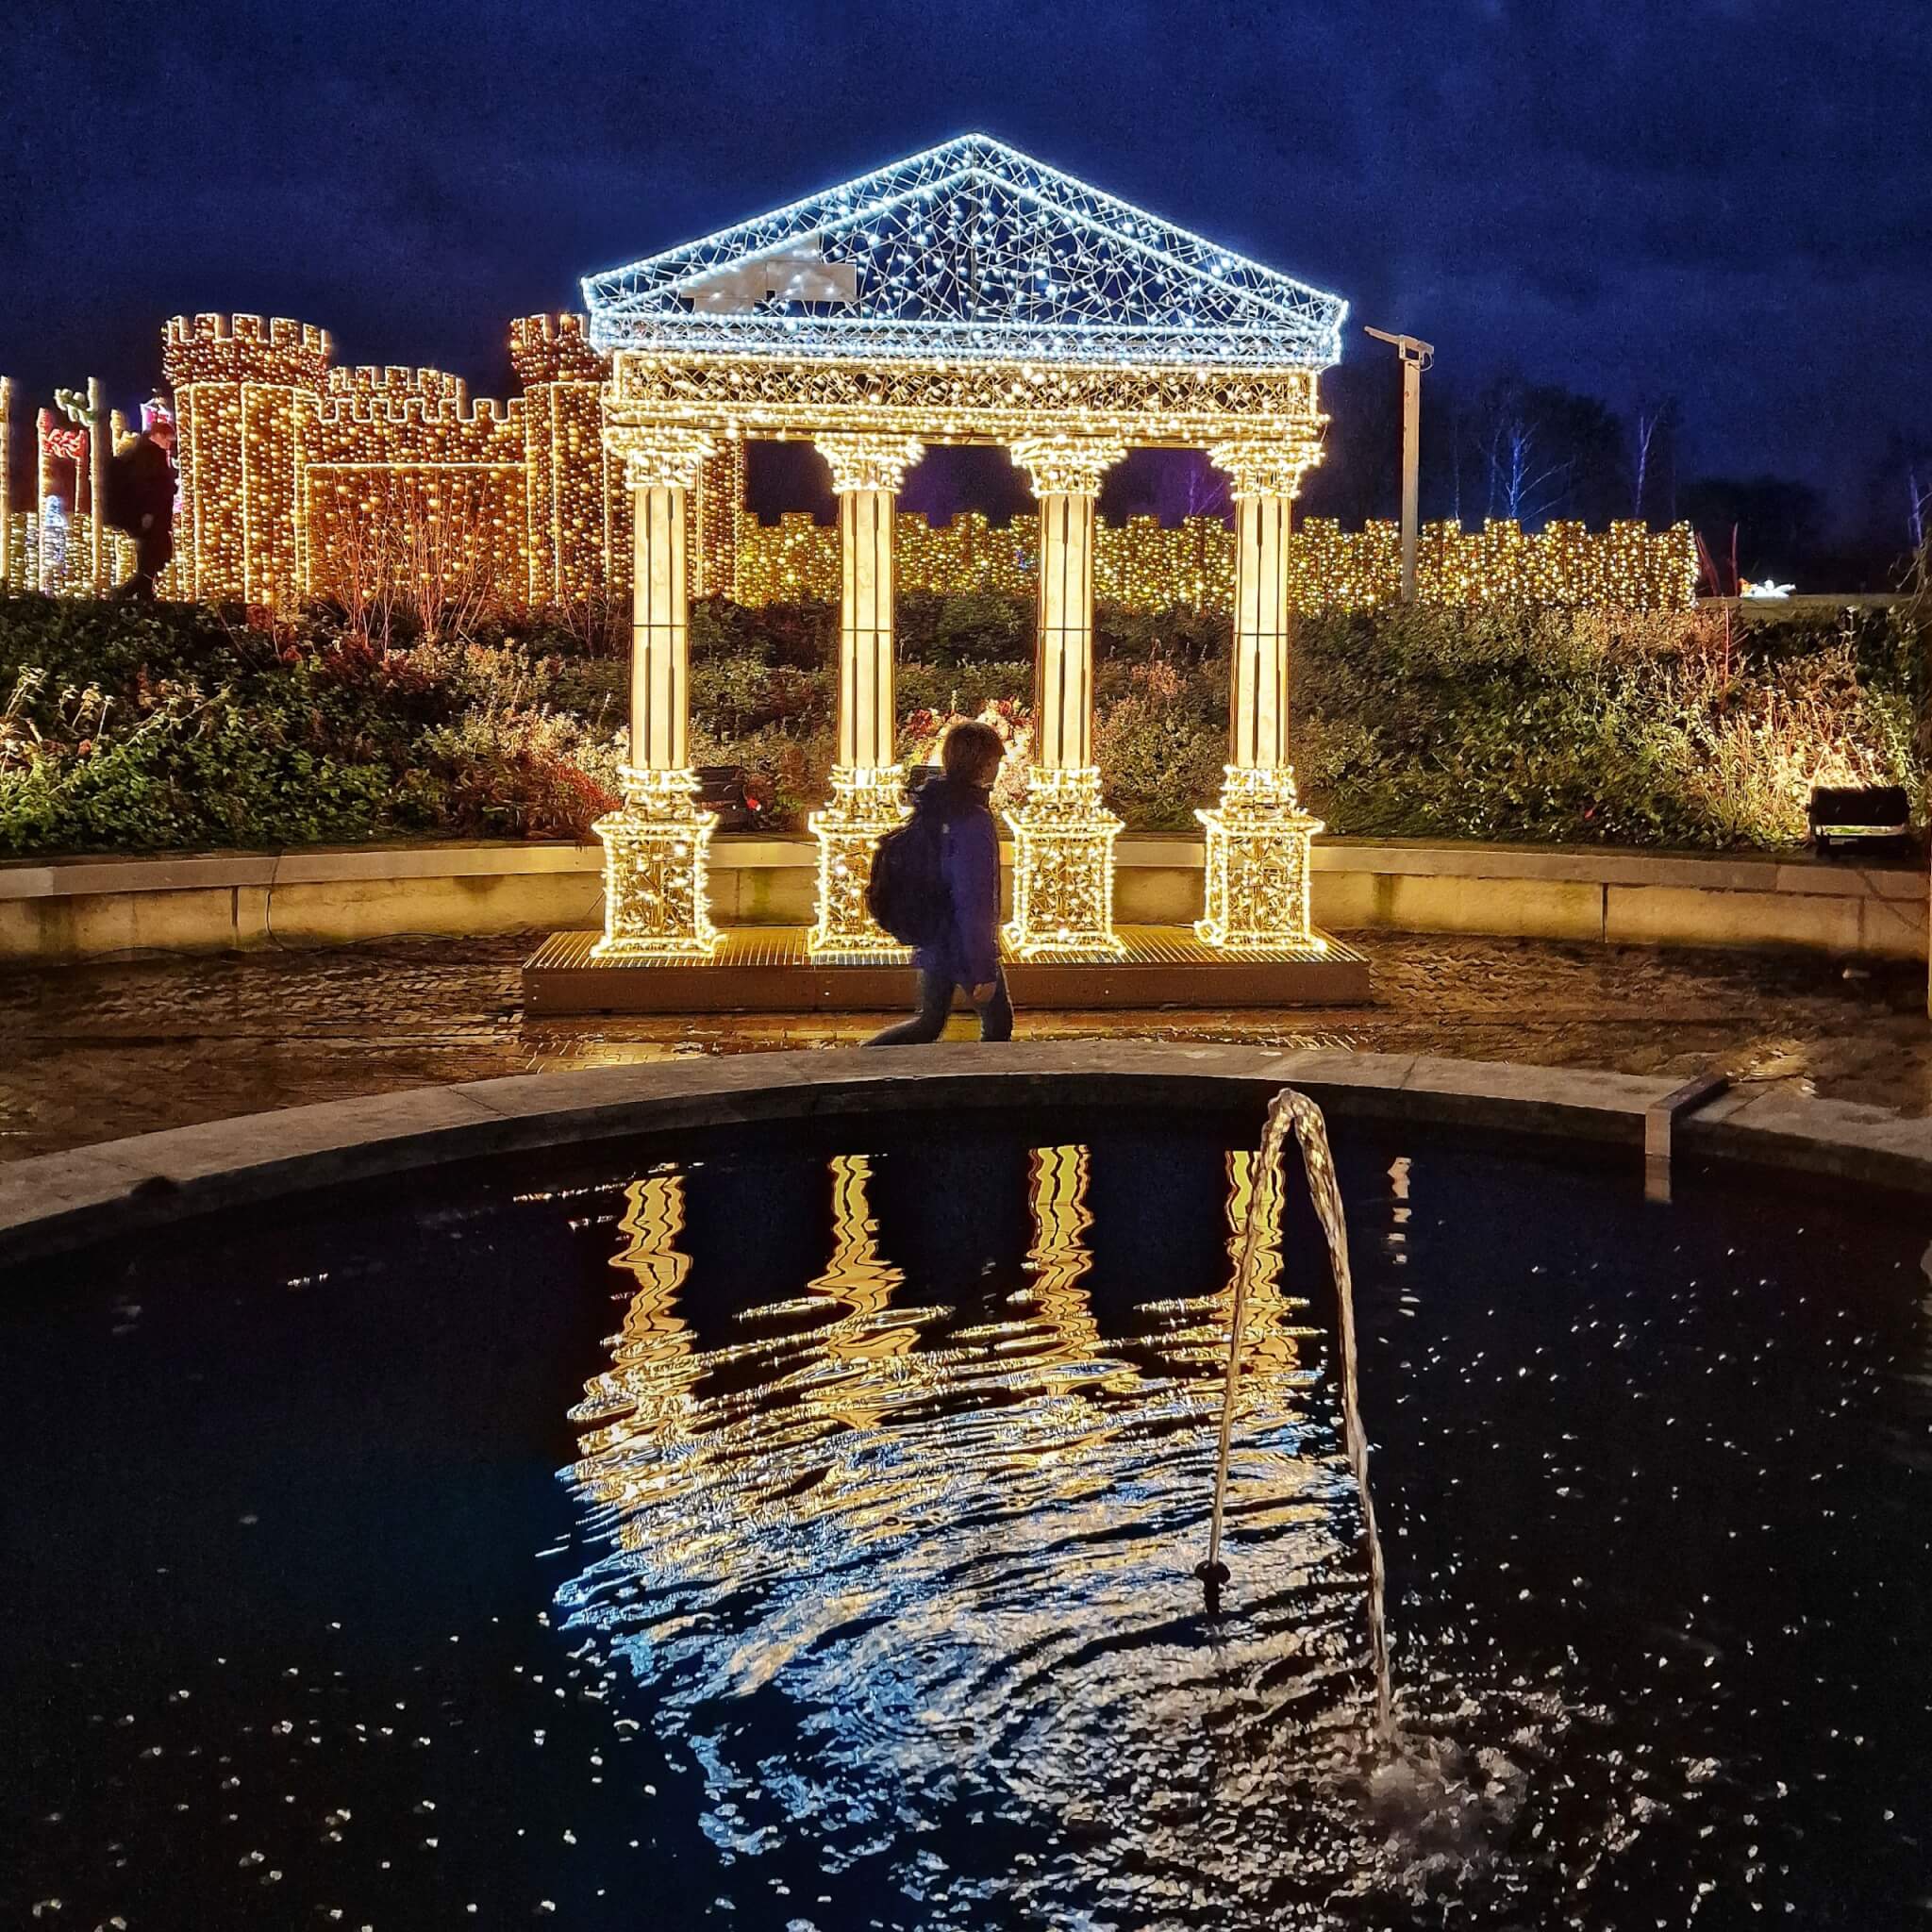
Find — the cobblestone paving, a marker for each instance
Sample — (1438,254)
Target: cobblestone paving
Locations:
(89,1053)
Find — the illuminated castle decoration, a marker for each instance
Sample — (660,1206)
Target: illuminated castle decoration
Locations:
(58,546)
(300,479)
(1141,565)
(965,295)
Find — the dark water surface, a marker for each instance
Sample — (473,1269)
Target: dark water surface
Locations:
(796,1532)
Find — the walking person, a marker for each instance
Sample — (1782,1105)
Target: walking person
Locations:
(141,502)
(966,949)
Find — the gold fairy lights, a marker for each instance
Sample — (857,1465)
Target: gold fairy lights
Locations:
(657,888)
(1063,836)
(866,804)
(1063,866)
(1142,566)
(1255,892)
(656,844)
(295,472)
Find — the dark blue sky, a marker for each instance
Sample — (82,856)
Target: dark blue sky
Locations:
(1727,200)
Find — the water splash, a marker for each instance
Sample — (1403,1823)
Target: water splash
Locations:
(1288,1111)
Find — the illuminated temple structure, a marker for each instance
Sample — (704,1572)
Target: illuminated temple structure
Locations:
(965,295)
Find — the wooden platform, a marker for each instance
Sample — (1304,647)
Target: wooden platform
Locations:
(767,969)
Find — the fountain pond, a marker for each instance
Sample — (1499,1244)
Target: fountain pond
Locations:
(799,1528)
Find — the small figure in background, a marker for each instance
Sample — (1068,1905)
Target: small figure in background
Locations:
(141,499)
(963,948)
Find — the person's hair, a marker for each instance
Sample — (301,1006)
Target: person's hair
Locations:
(972,753)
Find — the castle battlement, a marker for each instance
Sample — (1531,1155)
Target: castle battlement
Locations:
(244,348)
(403,398)
(554,348)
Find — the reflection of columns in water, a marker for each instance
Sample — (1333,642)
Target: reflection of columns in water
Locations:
(1058,1256)
(645,1392)
(1268,1333)
(1398,1232)
(856,1275)
(870,1333)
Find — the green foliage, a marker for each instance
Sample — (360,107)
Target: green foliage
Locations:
(134,728)
(130,727)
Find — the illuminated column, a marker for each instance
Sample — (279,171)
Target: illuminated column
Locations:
(6,458)
(98,554)
(1257,886)
(867,784)
(1062,835)
(656,844)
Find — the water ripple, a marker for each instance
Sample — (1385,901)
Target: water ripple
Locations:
(893,1570)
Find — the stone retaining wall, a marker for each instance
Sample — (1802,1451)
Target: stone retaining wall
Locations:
(83,909)
(111,1192)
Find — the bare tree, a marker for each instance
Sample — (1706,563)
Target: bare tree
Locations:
(1204,494)
(413,556)
(1523,486)
(1650,432)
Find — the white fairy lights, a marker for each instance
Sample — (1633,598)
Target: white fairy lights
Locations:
(973,252)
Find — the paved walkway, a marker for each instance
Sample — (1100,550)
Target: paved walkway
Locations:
(89,1053)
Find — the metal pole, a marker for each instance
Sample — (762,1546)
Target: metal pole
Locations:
(1411,451)
(1416,356)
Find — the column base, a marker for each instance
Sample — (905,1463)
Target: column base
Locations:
(656,900)
(1063,867)
(866,804)
(1256,890)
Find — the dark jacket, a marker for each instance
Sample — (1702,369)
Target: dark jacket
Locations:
(969,954)
(146,491)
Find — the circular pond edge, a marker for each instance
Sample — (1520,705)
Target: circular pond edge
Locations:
(56,1202)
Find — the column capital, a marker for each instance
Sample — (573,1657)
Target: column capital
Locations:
(1266,466)
(868,463)
(1066,465)
(657,456)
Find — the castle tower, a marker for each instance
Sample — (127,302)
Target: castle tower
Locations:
(580,510)
(245,395)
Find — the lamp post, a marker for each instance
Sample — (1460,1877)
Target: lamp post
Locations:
(1416,357)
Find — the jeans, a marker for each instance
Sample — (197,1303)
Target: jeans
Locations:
(936,1002)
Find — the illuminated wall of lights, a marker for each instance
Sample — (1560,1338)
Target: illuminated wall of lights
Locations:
(1140,565)
(300,479)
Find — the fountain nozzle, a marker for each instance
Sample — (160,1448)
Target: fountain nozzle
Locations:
(1212,1575)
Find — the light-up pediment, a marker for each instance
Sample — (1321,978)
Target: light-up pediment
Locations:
(971,251)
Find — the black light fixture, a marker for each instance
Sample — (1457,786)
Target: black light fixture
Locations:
(1865,816)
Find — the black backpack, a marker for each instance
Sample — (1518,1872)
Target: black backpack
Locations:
(908,893)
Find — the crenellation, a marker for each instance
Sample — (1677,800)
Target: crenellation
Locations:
(554,348)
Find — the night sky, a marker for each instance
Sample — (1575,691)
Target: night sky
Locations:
(1727,201)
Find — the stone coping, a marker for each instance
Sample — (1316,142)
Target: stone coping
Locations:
(1800,873)
(87,1196)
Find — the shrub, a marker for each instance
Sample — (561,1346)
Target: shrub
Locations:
(139,728)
